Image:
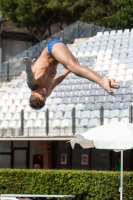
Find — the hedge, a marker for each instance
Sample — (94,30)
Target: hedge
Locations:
(86,185)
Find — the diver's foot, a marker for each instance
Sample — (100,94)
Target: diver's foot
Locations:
(107,84)
(114,84)
(27,61)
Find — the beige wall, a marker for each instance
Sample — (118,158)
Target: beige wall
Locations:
(47,155)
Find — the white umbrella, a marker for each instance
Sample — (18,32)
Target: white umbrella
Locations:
(114,136)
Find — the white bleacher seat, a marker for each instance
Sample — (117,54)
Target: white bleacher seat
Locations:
(84,123)
(27,95)
(20,96)
(94,52)
(100,57)
(87,53)
(95,114)
(16,116)
(67,123)
(112,73)
(108,57)
(5,96)
(48,101)
(44,123)
(58,115)
(99,34)
(9,90)
(25,102)
(56,101)
(111,42)
(114,113)
(67,114)
(29,124)
(41,115)
(56,123)
(129,71)
(94,122)
(114,61)
(126,31)
(16,102)
(69,107)
(79,106)
(51,114)
(26,115)
(18,124)
(37,123)
(85,114)
(79,54)
(106,33)
(120,77)
(12,96)
(12,109)
(115,55)
(19,108)
(8,116)
(97,67)
(4,109)
(124,113)
(4,125)
(2,116)
(121,71)
(81,49)
(130,65)
(32,115)
(23,90)
(112,33)
(2,103)
(119,32)
(128,77)
(52,107)
(12,124)
(122,65)
(44,108)
(15,90)
(28,109)
(101,52)
(105,67)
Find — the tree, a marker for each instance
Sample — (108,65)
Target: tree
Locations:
(37,16)
(116,14)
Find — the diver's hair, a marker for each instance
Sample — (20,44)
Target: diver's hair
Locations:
(35,103)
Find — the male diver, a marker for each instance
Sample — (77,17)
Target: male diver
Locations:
(41,76)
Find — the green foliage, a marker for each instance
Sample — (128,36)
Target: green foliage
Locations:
(86,185)
(116,14)
(36,16)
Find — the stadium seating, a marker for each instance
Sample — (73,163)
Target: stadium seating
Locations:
(109,54)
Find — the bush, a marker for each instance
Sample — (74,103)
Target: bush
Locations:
(86,185)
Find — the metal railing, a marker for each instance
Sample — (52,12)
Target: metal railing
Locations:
(47,130)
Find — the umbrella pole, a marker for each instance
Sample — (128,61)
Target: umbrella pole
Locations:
(121,177)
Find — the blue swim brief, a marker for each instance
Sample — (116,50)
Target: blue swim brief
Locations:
(51,44)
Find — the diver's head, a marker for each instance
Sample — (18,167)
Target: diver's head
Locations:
(37,98)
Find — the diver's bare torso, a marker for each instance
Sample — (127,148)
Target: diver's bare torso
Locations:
(45,69)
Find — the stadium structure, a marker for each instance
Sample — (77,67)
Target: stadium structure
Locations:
(40,139)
